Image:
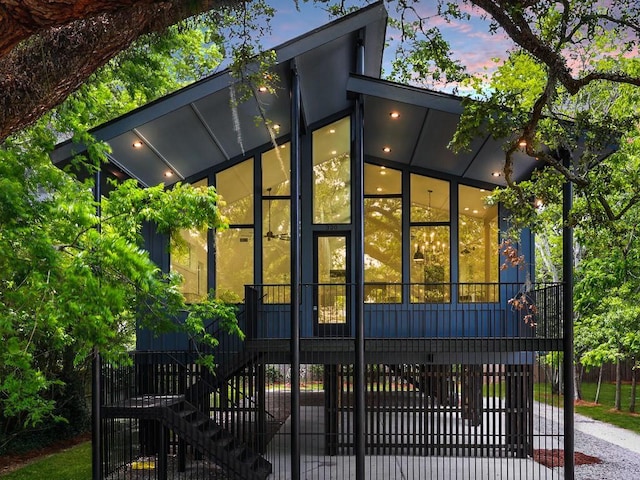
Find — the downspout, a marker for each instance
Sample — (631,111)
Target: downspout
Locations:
(360,366)
(96,391)
(295,272)
(567,327)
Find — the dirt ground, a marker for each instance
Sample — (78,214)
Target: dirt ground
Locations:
(555,458)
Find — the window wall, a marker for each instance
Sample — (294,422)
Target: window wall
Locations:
(276,223)
(189,256)
(430,240)
(397,250)
(332,173)
(234,246)
(477,246)
(382,234)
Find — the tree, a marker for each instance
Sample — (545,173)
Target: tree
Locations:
(71,280)
(567,94)
(49,49)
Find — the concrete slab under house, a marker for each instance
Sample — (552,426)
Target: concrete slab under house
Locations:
(380,341)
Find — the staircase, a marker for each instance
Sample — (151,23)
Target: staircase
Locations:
(218,444)
(196,429)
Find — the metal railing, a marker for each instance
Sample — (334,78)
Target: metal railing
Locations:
(443,310)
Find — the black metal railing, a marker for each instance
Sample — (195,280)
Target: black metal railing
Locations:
(410,310)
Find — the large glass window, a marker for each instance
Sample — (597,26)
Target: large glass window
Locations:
(429,199)
(276,224)
(332,173)
(430,264)
(234,246)
(430,240)
(189,257)
(234,262)
(478,246)
(382,234)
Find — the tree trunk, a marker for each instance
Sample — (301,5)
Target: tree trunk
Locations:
(20,20)
(37,75)
(577,381)
(618,400)
(599,385)
(634,384)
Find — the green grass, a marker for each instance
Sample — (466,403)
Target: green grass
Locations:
(603,410)
(71,464)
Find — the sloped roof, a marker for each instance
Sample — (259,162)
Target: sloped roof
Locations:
(198,127)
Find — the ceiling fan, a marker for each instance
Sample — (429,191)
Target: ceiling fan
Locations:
(270,235)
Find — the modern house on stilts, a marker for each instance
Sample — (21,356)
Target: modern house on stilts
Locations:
(381,341)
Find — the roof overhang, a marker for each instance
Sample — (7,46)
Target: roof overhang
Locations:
(421,135)
(205,124)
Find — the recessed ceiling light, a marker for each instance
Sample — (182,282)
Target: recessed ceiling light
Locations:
(475,211)
(137,144)
(495,174)
(334,152)
(379,189)
(284,145)
(386,149)
(168,173)
(482,190)
(383,172)
(394,115)
(383,167)
(262,89)
(466,209)
(332,130)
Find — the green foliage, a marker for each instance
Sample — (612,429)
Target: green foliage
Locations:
(73,282)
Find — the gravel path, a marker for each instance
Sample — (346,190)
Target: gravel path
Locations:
(619,450)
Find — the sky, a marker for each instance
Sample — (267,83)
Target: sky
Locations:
(471,41)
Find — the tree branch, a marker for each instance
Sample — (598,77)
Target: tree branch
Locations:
(517,27)
(37,75)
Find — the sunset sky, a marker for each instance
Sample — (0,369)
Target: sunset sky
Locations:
(470,41)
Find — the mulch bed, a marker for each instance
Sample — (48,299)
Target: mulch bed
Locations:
(13,461)
(555,458)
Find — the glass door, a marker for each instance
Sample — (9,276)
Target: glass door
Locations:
(332,293)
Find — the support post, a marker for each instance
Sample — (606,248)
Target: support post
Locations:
(96,391)
(295,273)
(96,420)
(567,326)
(358,195)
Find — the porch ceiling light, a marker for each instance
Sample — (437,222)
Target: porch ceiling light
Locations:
(394,115)
(262,89)
(386,149)
(168,174)
(137,144)
(495,174)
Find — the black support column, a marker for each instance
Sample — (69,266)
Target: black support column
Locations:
(358,196)
(567,333)
(295,273)
(96,391)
